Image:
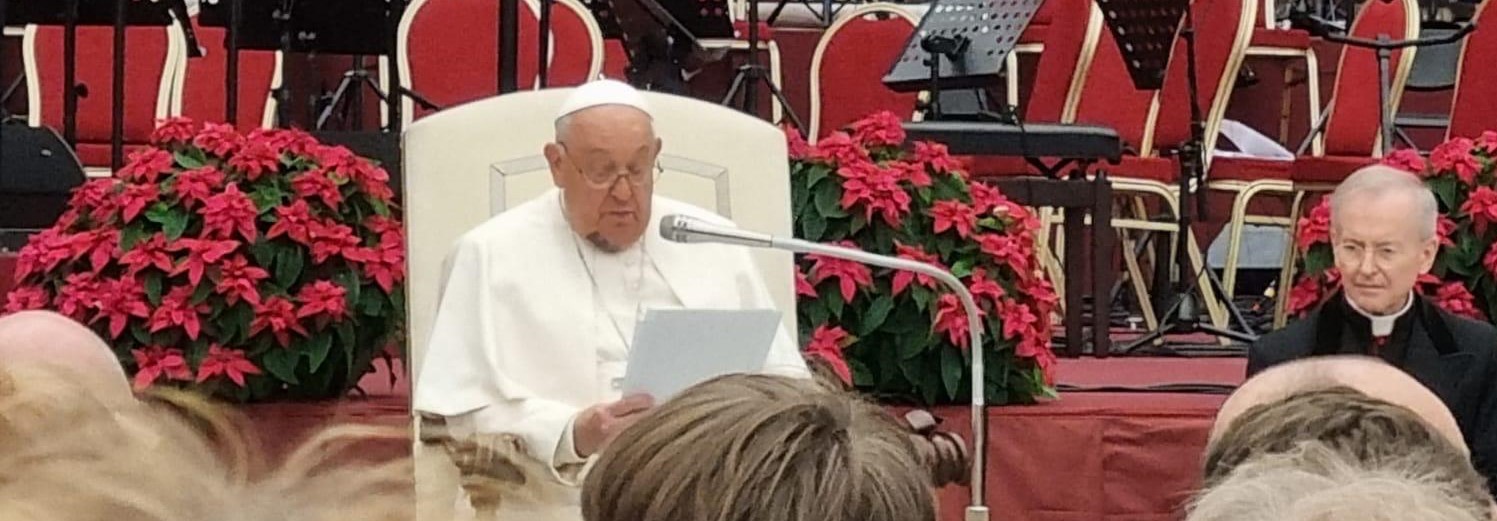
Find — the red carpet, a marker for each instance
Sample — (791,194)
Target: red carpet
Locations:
(1098,456)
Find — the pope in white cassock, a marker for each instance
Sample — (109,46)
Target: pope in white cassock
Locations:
(533,329)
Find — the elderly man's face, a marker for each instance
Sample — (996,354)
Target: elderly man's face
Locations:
(1379,250)
(605,165)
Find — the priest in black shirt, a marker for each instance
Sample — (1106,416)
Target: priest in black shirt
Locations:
(1383,224)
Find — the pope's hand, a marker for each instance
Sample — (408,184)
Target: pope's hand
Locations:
(596,426)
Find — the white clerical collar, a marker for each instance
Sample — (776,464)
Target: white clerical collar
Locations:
(1382,325)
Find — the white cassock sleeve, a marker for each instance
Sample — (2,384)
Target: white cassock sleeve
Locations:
(461,380)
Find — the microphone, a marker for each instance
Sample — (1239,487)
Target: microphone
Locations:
(691,230)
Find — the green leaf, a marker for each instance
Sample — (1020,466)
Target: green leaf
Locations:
(912,345)
(380,208)
(351,285)
(953,368)
(816,173)
(858,223)
(264,253)
(818,313)
(372,304)
(266,197)
(188,161)
(814,226)
(131,236)
(962,268)
(1447,190)
(877,312)
(317,350)
(288,266)
(347,337)
(922,296)
(140,334)
(201,293)
(829,201)
(834,303)
(397,300)
(175,227)
(152,283)
(282,363)
(237,320)
(1318,260)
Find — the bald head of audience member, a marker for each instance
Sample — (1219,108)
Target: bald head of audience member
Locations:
(1367,375)
(1389,430)
(760,447)
(44,337)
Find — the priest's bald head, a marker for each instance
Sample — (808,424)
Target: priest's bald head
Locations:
(1383,223)
(604,161)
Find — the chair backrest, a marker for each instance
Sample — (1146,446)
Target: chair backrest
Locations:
(154,57)
(576,48)
(1223,30)
(466,164)
(447,52)
(1070,41)
(1353,127)
(848,67)
(200,94)
(1473,109)
(1107,96)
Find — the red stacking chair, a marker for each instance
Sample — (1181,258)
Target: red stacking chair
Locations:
(848,67)
(1350,131)
(576,44)
(199,92)
(1223,31)
(1288,44)
(154,58)
(1473,109)
(447,52)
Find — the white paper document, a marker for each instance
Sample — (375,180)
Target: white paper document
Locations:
(676,348)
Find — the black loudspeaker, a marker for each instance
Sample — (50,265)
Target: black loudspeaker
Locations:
(381,147)
(37,173)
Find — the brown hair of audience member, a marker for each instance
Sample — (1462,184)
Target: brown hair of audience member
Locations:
(177,458)
(760,448)
(1365,429)
(1314,482)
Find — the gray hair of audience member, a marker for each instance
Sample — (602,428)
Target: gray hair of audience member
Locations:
(50,338)
(760,448)
(1378,180)
(1315,482)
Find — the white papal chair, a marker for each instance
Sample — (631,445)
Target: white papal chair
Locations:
(468,163)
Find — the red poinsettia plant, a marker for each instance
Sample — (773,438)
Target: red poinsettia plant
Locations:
(259,266)
(1460,172)
(900,335)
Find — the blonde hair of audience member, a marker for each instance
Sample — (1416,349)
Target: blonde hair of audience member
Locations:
(1364,429)
(1368,375)
(47,337)
(1314,482)
(760,448)
(179,459)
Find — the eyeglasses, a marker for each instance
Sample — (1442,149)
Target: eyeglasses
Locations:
(603,178)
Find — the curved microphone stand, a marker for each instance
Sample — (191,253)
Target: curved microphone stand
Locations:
(680,228)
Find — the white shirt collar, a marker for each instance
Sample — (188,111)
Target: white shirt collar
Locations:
(1382,325)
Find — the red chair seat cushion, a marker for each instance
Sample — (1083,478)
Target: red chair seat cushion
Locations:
(1249,169)
(1034,33)
(1328,169)
(1162,169)
(1297,39)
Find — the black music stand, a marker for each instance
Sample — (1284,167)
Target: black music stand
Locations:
(1145,31)
(660,47)
(345,27)
(750,75)
(960,44)
(70,14)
